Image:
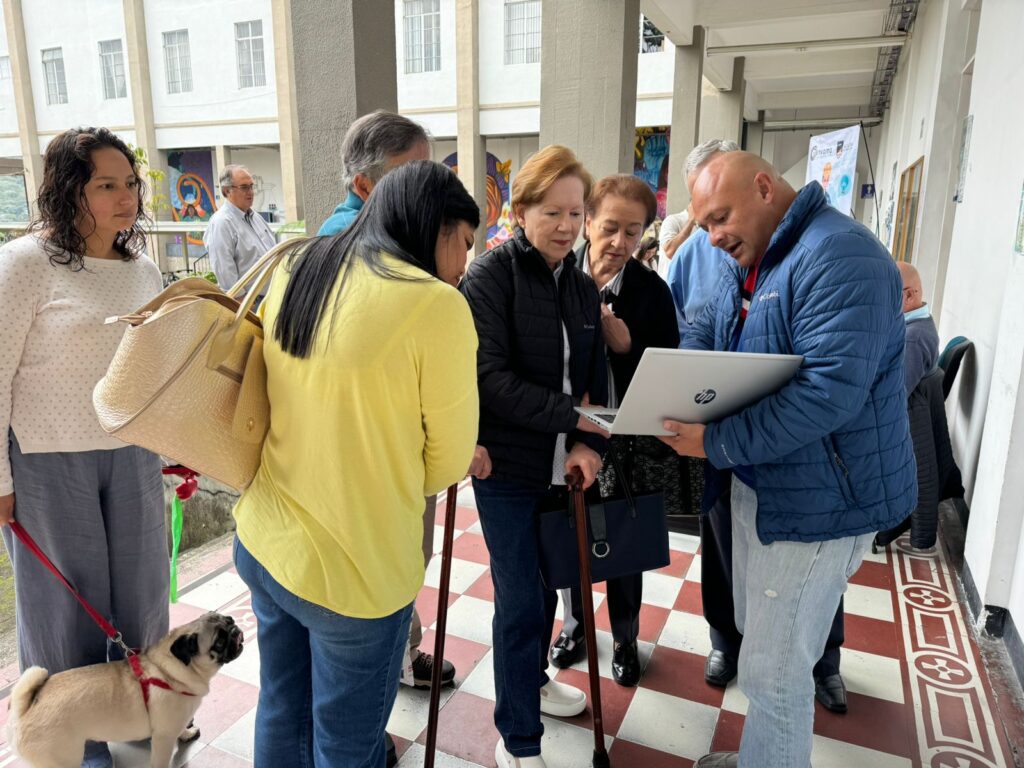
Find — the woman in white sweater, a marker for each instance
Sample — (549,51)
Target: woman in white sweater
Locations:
(94,505)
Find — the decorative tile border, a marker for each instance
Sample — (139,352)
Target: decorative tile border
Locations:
(954,715)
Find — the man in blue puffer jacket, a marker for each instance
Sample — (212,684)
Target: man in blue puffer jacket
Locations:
(820,466)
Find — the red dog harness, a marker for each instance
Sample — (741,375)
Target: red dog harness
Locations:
(102,623)
(145,682)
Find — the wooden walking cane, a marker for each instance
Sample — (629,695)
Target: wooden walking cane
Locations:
(574,481)
(442,621)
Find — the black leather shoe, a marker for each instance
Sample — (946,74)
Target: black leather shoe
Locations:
(391,760)
(626,664)
(719,669)
(567,650)
(831,693)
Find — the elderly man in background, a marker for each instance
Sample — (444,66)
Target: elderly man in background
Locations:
(237,236)
(922,336)
(695,268)
(817,468)
(374,144)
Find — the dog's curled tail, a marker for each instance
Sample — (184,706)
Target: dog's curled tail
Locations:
(28,685)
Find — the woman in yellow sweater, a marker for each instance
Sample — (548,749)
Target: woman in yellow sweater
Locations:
(371,374)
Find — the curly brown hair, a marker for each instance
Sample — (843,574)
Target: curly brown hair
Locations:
(67,168)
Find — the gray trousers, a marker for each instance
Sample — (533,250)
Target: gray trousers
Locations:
(99,516)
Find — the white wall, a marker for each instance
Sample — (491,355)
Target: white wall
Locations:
(264,163)
(984,283)
(77,29)
(184,119)
(509,93)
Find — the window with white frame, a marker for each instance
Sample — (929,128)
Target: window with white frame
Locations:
(53,73)
(112,69)
(249,53)
(522,31)
(422,36)
(5,67)
(177,61)
(652,39)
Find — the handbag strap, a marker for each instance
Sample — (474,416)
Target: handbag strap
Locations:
(224,342)
(621,477)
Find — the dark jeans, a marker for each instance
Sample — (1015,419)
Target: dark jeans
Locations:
(524,610)
(716,592)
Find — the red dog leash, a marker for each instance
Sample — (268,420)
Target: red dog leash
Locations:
(102,623)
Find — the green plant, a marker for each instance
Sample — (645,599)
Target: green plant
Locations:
(158,201)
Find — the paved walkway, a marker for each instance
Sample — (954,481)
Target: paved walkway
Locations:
(918,694)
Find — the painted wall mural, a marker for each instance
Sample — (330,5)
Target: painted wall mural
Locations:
(191,185)
(499,212)
(650,162)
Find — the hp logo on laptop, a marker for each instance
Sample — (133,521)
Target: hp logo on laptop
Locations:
(705,396)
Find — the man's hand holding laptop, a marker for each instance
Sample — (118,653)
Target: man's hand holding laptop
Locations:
(686,439)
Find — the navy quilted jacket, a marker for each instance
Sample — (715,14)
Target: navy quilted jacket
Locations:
(831,451)
(519,310)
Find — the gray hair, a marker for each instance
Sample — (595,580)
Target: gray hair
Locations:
(227,177)
(706,150)
(372,139)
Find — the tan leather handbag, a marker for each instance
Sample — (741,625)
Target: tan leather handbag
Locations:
(188,380)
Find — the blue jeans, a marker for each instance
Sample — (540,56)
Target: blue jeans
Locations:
(786,594)
(524,610)
(327,681)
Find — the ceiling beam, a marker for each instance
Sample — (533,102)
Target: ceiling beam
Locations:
(743,13)
(673,17)
(814,63)
(825,97)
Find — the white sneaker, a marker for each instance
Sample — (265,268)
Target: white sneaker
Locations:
(505,760)
(560,700)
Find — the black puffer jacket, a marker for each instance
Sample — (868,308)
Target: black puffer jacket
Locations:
(519,310)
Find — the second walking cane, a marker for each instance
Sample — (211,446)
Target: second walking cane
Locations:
(441,626)
(574,481)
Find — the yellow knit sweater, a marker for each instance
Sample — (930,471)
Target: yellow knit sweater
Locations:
(382,413)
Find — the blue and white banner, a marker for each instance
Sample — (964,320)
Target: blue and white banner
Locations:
(832,162)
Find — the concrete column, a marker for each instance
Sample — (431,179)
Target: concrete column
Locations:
(588,60)
(344,66)
(721,112)
(755,135)
(137,46)
(768,145)
(472,153)
(686,99)
(287,111)
(222,157)
(21,79)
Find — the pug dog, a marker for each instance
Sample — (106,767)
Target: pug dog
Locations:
(51,717)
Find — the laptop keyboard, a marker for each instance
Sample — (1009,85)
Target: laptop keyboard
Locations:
(609,417)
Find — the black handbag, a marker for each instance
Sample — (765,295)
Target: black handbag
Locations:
(626,536)
(648,466)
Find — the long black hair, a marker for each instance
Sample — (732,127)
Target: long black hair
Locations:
(67,168)
(408,210)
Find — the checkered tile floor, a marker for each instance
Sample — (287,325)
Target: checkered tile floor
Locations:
(918,693)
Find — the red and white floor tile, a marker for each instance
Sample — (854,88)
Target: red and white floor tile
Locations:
(918,692)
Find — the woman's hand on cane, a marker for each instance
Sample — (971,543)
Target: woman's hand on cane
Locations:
(587,460)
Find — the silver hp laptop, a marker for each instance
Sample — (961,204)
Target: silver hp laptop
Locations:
(692,387)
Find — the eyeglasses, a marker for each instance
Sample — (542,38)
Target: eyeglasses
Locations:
(244,187)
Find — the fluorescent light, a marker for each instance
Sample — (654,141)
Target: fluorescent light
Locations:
(834,44)
(812,123)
